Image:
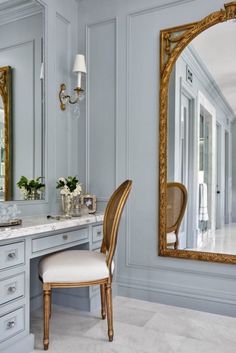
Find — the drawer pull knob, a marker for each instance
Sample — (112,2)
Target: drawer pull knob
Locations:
(65,237)
(12,289)
(12,255)
(11,324)
(99,232)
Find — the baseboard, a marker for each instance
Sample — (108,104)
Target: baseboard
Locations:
(23,345)
(222,303)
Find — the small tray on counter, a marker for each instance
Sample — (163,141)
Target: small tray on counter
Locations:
(11,222)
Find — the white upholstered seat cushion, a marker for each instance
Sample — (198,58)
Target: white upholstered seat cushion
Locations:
(73,266)
(171,237)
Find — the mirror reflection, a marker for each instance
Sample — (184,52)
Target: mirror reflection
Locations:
(201,205)
(22,121)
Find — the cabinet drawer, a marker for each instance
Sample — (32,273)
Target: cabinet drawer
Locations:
(12,324)
(52,241)
(12,255)
(97,233)
(12,288)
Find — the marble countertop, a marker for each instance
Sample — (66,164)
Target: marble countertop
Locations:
(40,224)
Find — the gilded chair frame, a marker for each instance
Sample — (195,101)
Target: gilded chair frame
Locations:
(108,248)
(172,42)
(5,93)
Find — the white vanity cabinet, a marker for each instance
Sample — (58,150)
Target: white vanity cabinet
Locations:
(35,238)
(13,292)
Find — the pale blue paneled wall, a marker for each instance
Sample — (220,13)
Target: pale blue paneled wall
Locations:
(140,272)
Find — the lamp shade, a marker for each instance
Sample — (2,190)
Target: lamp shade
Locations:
(79,65)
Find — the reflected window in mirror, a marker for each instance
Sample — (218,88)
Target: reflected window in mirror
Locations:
(22,110)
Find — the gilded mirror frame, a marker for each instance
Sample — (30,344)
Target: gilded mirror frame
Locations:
(172,42)
(5,93)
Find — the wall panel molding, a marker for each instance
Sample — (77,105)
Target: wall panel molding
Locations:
(63,29)
(167,5)
(89,28)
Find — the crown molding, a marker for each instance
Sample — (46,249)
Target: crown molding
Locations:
(17,10)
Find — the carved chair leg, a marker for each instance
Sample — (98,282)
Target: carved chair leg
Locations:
(47,299)
(50,307)
(109,311)
(103,301)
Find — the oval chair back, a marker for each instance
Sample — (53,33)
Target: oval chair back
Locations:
(176,205)
(112,218)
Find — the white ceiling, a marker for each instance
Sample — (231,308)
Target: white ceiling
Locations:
(217,48)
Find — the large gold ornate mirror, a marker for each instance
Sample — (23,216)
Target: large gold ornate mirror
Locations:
(5,112)
(197,209)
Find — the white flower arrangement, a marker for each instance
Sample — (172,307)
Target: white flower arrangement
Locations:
(70,186)
(27,186)
(24,192)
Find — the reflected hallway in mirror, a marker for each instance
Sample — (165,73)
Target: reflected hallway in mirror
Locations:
(202,137)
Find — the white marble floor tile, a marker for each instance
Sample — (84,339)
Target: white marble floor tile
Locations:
(191,324)
(140,327)
(196,346)
(139,338)
(131,315)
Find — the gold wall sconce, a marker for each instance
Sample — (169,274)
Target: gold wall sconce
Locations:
(79,93)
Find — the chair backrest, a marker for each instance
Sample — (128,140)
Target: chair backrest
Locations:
(176,205)
(112,218)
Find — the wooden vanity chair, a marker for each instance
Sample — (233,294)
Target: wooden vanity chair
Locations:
(82,268)
(176,205)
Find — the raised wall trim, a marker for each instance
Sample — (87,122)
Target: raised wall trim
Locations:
(65,115)
(102,198)
(158,7)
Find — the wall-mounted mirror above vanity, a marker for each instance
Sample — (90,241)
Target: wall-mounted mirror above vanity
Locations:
(22,110)
(198,139)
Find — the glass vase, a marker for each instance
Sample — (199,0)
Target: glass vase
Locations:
(71,206)
(33,194)
(66,203)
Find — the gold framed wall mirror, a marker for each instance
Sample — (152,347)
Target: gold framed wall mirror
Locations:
(198,138)
(5,132)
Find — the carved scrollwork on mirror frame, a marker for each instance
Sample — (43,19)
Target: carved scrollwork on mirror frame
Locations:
(173,41)
(5,95)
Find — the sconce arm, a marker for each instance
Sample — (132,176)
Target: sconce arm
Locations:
(64,98)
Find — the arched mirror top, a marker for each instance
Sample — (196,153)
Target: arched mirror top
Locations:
(174,40)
